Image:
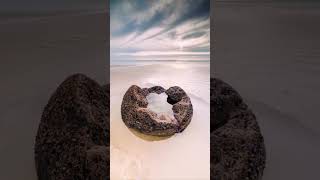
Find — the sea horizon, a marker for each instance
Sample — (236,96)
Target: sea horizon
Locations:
(150,62)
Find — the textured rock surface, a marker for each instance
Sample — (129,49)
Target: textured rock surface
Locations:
(236,145)
(73,136)
(136,115)
(156,89)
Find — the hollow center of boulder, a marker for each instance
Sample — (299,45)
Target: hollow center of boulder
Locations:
(158,104)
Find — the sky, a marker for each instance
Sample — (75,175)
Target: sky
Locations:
(158,30)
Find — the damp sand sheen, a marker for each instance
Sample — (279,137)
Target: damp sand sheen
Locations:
(184,155)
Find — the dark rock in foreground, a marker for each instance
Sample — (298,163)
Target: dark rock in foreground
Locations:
(136,115)
(237,146)
(73,136)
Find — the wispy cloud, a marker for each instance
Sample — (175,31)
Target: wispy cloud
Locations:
(157,28)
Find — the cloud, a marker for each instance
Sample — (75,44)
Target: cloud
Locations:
(194,35)
(159,26)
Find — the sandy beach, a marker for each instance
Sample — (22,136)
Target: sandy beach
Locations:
(182,156)
(37,53)
(269,52)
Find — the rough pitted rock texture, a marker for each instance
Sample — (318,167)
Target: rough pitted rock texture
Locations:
(73,136)
(136,115)
(236,145)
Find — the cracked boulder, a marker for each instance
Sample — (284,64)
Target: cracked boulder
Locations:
(136,115)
